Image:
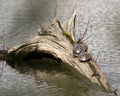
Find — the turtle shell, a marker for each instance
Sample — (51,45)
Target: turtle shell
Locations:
(85,56)
(78,48)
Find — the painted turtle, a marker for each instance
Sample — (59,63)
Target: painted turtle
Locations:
(85,56)
(79,48)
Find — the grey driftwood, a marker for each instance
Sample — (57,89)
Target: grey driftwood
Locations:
(57,40)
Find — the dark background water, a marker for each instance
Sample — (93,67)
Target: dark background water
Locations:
(21,18)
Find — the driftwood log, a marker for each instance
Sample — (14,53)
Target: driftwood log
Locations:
(57,41)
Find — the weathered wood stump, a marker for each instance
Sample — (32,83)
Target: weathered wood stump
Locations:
(57,41)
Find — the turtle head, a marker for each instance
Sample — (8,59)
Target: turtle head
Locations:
(80,40)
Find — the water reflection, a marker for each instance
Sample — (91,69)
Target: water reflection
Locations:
(33,80)
(52,78)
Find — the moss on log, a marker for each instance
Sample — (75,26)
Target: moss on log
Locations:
(57,40)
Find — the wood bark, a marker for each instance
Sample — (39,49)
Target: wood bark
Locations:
(51,40)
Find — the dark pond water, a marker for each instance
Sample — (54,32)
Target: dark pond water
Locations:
(20,20)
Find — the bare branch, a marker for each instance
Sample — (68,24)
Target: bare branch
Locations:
(59,24)
(98,55)
(2,69)
(89,35)
(4,47)
(80,33)
(56,5)
(87,38)
(3,39)
(34,16)
(86,29)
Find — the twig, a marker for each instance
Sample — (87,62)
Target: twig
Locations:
(85,29)
(98,55)
(55,12)
(87,38)
(80,32)
(89,35)
(60,26)
(3,38)
(4,47)
(34,16)
(2,69)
